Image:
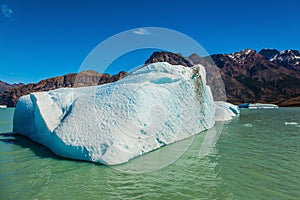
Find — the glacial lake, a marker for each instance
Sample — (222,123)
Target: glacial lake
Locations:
(255,156)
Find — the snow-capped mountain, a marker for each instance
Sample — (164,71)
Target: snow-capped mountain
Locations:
(242,56)
(287,58)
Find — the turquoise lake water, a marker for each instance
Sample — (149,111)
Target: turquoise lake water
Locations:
(256,156)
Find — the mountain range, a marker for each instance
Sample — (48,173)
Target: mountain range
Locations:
(267,76)
(85,78)
(6,86)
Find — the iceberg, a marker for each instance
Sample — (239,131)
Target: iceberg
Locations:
(155,105)
(258,106)
(262,106)
(3,106)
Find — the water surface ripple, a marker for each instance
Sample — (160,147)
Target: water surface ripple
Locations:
(255,157)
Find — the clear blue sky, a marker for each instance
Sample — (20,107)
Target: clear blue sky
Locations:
(43,38)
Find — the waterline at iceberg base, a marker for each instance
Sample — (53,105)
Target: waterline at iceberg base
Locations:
(110,124)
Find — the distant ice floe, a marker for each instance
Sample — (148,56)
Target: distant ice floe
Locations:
(262,106)
(255,106)
(110,124)
(290,123)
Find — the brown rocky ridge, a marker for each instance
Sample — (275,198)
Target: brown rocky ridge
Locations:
(6,86)
(85,78)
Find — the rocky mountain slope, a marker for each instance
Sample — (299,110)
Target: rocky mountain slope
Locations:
(6,86)
(287,58)
(172,58)
(85,78)
(251,77)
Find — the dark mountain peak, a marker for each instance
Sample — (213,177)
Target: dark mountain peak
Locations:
(268,53)
(290,52)
(288,58)
(172,58)
(242,55)
(287,55)
(240,62)
(247,51)
(244,58)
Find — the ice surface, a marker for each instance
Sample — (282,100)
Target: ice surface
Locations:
(156,105)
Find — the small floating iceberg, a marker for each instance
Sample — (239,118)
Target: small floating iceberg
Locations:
(110,124)
(290,123)
(262,106)
(258,106)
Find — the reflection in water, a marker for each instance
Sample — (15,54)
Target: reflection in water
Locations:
(157,159)
(210,140)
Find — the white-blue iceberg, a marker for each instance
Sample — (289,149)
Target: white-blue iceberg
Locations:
(156,105)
